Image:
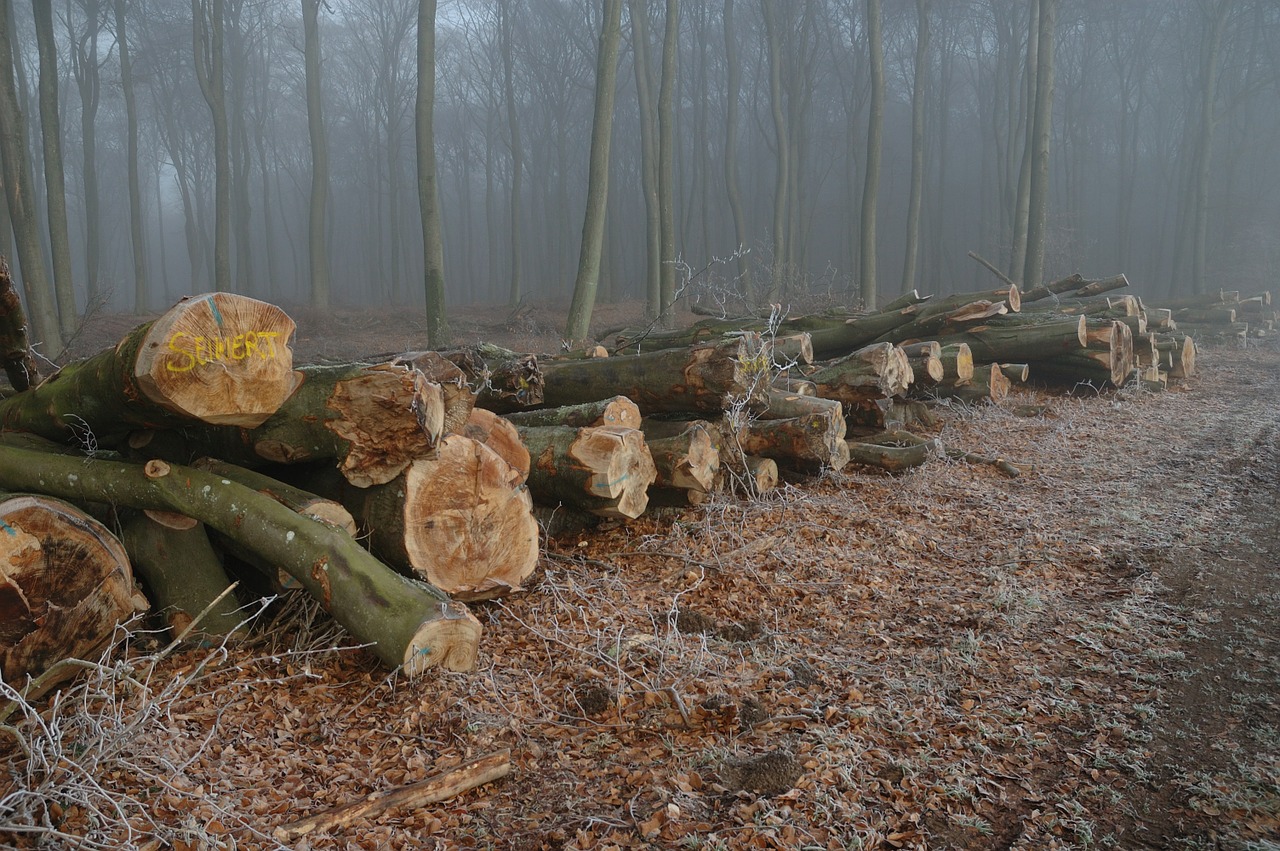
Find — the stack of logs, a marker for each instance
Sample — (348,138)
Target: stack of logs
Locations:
(396,492)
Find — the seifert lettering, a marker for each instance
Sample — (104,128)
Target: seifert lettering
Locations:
(190,351)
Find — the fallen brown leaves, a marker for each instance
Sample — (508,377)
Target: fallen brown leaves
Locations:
(945,659)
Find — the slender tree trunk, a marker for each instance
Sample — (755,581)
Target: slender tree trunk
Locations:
(209,25)
(875,132)
(584,288)
(782,157)
(648,155)
(428,192)
(141,290)
(1038,218)
(1208,94)
(86,73)
(666,160)
(317,247)
(54,178)
(240,159)
(733,72)
(918,88)
(20,194)
(515,293)
(1022,206)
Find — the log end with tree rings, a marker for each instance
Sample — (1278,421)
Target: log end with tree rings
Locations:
(219,358)
(450,640)
(387,415)
(468,525)
(65,582)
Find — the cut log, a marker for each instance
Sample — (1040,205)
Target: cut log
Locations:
(1020,340)
(461,521)
(294,498)
(941,323)
(957,363)
(906,438)
(220,358)
(614,411)
(1205,315)
(687,460)
(15,349)
(408,623)
(795,386)
(372,420)
(1017,373)
(809,442)
(502,437)
(875,372)
(893,459)
(704,379)
(1182,352)
(926,348)
(988,384)
(1062,285)
(184,575)
(747,474)
(784,406)
(1096,288)
(605,470)
(65,582)
(503,380)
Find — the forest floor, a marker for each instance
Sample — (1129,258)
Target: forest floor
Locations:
(1081,657)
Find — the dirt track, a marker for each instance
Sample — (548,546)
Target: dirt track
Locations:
(1084,656)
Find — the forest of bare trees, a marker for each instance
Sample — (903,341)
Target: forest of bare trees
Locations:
(409,152)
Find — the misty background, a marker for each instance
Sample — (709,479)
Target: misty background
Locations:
(1163,156)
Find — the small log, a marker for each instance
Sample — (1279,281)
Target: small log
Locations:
(806,443)
(688,460)
(748,474)
(219,359)
(940,323)
(875,372)
(408,623)
(65,582)
(440,787)
(184,575)
(893,459)
(1017,373)
(784,406)
(605,470)
(988,384)
(926,348)
(1182,352)
(1205,315)
(957,363)
(705,379)
(614,411)
(927,369)
(794,386)
(502,437)
(1020,339)
(1096,288)
(1062,285)
(906,438)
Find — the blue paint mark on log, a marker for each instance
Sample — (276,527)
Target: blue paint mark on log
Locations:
(217,314)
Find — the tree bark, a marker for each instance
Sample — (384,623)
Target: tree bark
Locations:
(1038,215)
(733,81)
(871,183)
(317,243)
(666,167)
(209,20)
(919,83)
(614,411)
(141,285)
(15,352)
(409,624)
(428,190)
(874,372)
(686,455)
(54,178)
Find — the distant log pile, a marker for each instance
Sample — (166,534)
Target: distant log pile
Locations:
(396,492)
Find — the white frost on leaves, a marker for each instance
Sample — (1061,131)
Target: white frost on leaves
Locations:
(206,490)
(73,478)
(288,537)
(226,481)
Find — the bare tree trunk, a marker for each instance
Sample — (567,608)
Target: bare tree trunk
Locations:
(666,172)
(517,155)
(318,250)
(85,67)
(209,26)
(733,72)
(54,179)
(781,156)
(141,289)
(648,155)
(584,288)
(1200,188)
(918,88)
(428,191)
(240,159)
(875,132)
(1038,217)
(1022,206)
(18,185)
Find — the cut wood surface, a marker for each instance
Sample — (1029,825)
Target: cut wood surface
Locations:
(502,437)
(957,362)
(704,379)
(503,380)
(219,359)
(606,470)
(809,442)
(687,460)
(65,582)
(460,521)
(408,623)
(459,398)
(874,372)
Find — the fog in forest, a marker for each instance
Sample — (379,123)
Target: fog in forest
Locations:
(192,158)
